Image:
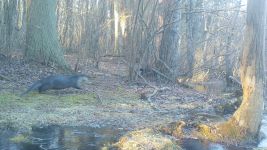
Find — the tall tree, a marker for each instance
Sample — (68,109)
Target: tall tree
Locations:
(7,11)
(191,27)
(116,25)
(169,52)
(252,68)
(246,121)
(42,37)
(69,24)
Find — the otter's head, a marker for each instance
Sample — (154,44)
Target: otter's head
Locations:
(82,80)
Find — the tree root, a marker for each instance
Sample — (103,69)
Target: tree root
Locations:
(227,132)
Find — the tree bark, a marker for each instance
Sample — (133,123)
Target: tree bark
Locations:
(169,52)
(41,37)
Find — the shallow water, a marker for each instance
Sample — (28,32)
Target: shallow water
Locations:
(61,138)
(85,138)
(263,130)
(195,144)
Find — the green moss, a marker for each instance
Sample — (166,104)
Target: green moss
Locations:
(10,101)
(79,99)
(21,113)
(205,132)
(19,139)
(4,97)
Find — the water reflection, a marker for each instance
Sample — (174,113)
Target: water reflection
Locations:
(86,138)
(59,138)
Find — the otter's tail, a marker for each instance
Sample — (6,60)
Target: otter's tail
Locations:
(33,87)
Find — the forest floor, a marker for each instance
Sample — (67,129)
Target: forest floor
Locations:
(109,100)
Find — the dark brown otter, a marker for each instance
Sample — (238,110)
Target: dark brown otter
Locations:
(58,82)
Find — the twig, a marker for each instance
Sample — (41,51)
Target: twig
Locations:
(2,77)
(235,80)
(156,89)
(153,94)
(158,72)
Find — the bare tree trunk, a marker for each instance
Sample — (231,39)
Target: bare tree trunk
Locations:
(41,37)
(249,114)
(190,38)
(118,5)
(169,52)
(245,123)
(133,39)
(69,25)
(6,25)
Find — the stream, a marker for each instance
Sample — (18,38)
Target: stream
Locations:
(61,138)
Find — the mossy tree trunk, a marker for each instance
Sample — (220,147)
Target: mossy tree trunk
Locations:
(245,122)
(42,37)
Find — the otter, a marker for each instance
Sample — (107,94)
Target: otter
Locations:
(58,82)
